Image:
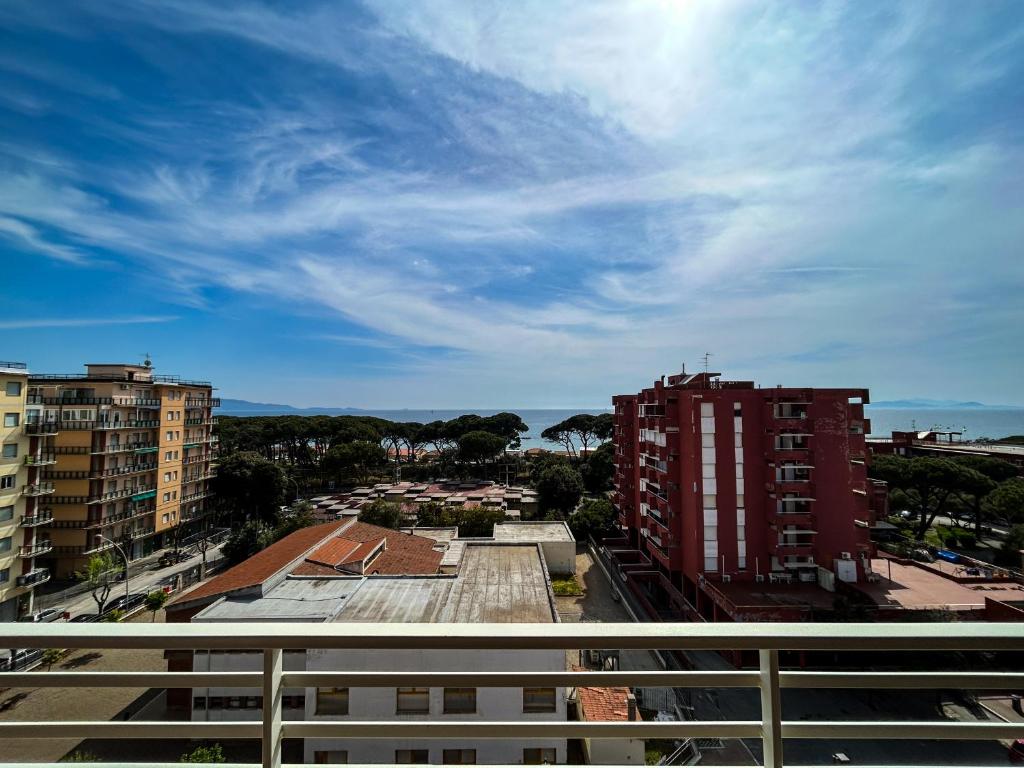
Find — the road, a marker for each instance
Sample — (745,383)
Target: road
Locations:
(143,577)
(818,704)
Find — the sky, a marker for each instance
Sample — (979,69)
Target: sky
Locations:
(532,204)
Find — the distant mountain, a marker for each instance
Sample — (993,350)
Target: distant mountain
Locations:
(945,405)
(246,407)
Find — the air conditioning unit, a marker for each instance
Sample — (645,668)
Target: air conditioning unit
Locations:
(726,578)
(759,578)
(845,556)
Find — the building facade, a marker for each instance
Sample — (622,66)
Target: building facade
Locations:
(721,482)
(22,494)
(132,455)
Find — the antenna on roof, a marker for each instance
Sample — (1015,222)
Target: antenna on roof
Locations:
(148,362)
(707,360)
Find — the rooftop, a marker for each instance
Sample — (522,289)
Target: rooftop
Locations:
(919,588)
(608,704)
(291,600)
(532,531)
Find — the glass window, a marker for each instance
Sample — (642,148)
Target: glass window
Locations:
(7,481)
(458,757)
(459,701)
(539,756)
(413,701)
(10,451)
(13,389)
(5,544)
(10,419)
(412,756)
(6,513)
(332,701)
(538,699)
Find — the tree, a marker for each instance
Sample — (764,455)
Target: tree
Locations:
(598,470)
(51,656)
(990,472)
(356,458)
(100,575)
(246,541)
(155,601)
(542,461)
(561,433)
(477,521)
(479,447)
(559,488)
(250,485)
(204,754)
(1014,541)
(386,514)
(80,756)
(604,426)
(1007,500)
(594,517)
(299,515)
(929,484)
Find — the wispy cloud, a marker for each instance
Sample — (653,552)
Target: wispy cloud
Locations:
(81,322)
(564,194)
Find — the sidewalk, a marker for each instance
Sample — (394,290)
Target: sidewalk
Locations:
(63,704)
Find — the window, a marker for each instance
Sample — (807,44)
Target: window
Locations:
(412,756)
(538,699)
(458,757)
(10,451)
(10,419)
(413,701)
(330,757)
(13,388)
(7,481)
(166,518)
(5,575)
(539,756)
(167,497)
(167,456)
(6,513)
(332,701)
(167,478)
(5,544)
(170,435)
(459,701)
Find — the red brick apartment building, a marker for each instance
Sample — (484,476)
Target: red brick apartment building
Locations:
(738,502)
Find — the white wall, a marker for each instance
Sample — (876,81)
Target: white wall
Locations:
(493,704)
(614,751)
(560,556)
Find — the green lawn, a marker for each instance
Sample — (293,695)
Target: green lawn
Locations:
(565,585)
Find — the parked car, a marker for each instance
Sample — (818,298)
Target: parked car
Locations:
(21,659)
(86,617)
(122,603)
(1016,754)
(47,614)
(170,558)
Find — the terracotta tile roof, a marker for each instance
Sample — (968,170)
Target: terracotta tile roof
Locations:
(262,565)
(362,551)
(405,554)
(333,551)
(606,704)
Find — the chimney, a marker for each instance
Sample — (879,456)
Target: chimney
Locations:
(630,706)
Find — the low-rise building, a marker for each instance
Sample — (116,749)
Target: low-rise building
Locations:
(351,572)
(610,705)
(515,501)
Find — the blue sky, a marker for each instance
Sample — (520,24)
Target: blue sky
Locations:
(531,204)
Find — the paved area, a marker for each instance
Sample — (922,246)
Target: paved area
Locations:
(59,704)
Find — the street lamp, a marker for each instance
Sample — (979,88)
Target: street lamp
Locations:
(125,556)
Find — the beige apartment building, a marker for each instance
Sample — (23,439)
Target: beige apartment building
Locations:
(134,455)
(22,459)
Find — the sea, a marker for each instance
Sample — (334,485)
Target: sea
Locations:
(975,423)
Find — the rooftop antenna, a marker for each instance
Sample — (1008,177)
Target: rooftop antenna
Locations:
(707,360)
(148,362)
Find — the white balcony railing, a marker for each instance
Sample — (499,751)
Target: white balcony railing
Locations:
(767,638)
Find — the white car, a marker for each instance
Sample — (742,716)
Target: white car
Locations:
(47,614)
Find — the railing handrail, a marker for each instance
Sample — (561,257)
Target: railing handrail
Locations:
(781,636)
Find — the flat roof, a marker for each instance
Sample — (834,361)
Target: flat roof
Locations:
(532,531)
(500,583)
(398,599)
(291,600)
(919,588)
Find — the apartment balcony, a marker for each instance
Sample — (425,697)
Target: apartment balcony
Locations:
(200,422)
(194,496)
(784,549)
(72,450)
(41,517)
(33,578)
(131,469)
(128,424)
(66,474)
(137,402)
(202,402)
(74,400)
(121,493)
(41,428)
(118,517)
(41,459)
(68,500)
(138,447)
(198,459)
(34,550)
(767,724)
(38,489)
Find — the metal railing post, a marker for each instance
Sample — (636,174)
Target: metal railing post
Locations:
(771,709)
(273,667)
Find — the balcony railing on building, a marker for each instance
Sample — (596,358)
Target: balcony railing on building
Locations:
(38,489)
(38,548)
(41,517)
(33,578)
(41,459)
